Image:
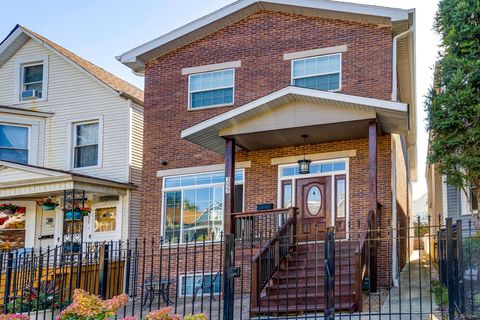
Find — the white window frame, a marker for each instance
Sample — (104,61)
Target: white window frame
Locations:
(182,276)
(22,62)
(217,184)
(213,105)
(331,174)
(319,74)
(105,235)
(33,135)
(71,143)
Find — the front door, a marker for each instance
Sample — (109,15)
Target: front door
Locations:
(314,202)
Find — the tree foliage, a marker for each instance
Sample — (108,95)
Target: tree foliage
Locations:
(453,103)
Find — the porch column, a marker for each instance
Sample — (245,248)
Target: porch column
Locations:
(229,194)
(373,204)
(372,165)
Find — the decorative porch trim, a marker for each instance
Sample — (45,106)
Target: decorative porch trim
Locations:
(314,52)
(212,67)
(315,156)
(201,169)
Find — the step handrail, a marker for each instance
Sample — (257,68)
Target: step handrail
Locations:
(363,256)
(263,266)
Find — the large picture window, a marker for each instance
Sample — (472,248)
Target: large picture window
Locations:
(193,206)
(211,89)
(86,144)
(321,73)
(14,143)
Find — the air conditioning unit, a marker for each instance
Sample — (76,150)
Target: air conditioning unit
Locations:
(31,94)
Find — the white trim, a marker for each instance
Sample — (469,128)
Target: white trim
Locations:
(337,97)
(25,112)
(190,108)
(20,63)
(444,198)
(315,157)
(109,235)
(182,188)
(315,52)
(201,169)
(330,174)
(70,143)
(132,56)
(393,173)
(212,67)
(33,136)
(292,78)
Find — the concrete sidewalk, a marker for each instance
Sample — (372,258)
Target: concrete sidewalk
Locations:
(412,298)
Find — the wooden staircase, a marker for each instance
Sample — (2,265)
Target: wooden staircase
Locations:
(298,285)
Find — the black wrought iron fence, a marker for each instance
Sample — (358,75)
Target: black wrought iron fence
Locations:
(292,274)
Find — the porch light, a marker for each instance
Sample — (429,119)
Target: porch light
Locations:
(304,164)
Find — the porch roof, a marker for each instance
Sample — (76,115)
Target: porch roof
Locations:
(280,118)
(23,180)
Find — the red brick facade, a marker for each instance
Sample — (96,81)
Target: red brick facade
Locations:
(260,41)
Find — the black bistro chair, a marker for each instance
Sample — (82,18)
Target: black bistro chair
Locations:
(156,287)
(204,285)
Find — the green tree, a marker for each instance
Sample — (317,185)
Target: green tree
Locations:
(453,103)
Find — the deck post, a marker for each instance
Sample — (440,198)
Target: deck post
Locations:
(373,202)
(229,194)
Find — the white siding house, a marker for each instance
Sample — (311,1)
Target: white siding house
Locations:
(66,124)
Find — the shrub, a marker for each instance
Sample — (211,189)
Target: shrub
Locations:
(86,306)
(12,316)
(440,293)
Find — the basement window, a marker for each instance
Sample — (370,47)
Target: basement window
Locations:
(321,73)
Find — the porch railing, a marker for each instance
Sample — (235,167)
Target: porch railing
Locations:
(260,225)
(267,261)
(365,253)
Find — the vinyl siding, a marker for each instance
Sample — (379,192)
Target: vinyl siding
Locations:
(454,204)
(73,94)
(136,156)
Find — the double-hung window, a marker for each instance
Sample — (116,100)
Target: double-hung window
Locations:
(14,143)
(193,205)
(321,73)
(32,81)
(86,144)
(211,89)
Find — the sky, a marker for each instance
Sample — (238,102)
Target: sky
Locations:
(99,30)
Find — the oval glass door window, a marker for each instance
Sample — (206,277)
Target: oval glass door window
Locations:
(314,200)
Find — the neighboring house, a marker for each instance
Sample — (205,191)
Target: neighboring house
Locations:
(70,132)
(239,96)
(447,201)
(420,209)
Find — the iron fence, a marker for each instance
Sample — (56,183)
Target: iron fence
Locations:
(421,270)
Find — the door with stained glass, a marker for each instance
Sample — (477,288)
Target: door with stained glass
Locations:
(314,202)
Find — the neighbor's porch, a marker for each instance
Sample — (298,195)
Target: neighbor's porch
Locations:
(53,207)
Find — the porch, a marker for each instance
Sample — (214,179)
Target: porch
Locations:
(53,207)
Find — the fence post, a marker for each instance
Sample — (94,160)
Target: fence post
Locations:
(450,270)
(329,311)
(229,275)
(460,273)
(8,281)
(103,271)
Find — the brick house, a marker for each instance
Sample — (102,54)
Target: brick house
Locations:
(234,101)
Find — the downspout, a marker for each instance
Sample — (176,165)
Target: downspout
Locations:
(394,62)
(394,270)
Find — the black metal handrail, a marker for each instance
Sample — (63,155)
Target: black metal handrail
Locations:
(266,262)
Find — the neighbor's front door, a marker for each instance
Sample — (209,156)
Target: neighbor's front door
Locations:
(314,203)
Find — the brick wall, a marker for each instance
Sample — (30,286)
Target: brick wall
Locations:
(260,41)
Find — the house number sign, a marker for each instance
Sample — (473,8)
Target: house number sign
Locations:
(227,185)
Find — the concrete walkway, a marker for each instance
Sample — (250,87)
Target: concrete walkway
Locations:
(412,298)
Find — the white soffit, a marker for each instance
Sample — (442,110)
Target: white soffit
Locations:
(392,116)
(136,58)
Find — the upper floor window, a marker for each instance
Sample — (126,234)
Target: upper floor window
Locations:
(86,144)
(14,143)
(32,81)
(211,89)
(321,73)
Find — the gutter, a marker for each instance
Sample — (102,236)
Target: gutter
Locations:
(394,62)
